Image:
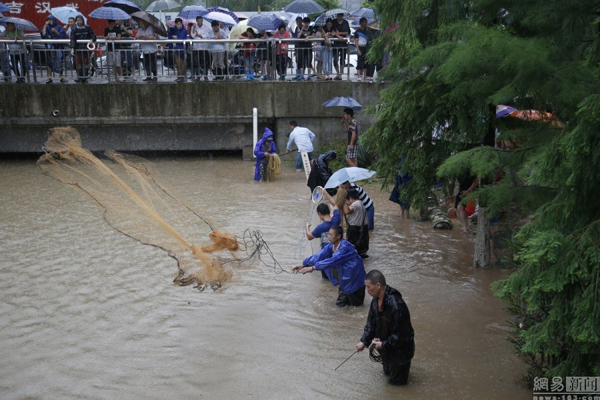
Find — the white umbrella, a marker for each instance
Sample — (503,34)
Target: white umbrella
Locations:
(218,16)
(162,5)
(349,174)
(64,13)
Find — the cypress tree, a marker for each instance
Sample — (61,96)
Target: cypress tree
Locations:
(451,63)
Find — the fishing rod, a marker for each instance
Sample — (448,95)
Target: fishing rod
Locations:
(284,153)
(355,351)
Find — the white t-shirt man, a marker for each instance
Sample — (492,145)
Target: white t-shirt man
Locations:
(303,138)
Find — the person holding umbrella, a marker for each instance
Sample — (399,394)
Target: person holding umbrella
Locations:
(52,30)
(146,32)
(80,31)
(15,51)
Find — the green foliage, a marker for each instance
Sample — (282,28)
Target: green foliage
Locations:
(450,64)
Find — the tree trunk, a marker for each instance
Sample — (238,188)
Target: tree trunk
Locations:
(481,258)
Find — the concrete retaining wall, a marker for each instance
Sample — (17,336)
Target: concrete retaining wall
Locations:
(167,116)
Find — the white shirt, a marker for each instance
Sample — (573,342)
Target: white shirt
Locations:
(303,138)
(147,48)
(201,33)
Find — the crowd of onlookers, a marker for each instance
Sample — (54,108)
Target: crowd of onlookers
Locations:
(194,51)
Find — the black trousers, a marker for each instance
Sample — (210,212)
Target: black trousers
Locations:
(353,235)
(398,373)
(356,298)
(281,64)
(200,62)
(150,64)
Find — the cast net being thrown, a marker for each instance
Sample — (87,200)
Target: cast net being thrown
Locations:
(137,203)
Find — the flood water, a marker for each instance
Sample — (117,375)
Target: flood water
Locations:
(87,313)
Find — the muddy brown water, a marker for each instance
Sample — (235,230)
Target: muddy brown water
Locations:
(87,313)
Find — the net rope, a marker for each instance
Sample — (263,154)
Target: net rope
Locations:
(140,205)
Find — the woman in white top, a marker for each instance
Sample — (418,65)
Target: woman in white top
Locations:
(146,32)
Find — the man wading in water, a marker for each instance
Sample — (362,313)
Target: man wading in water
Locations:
(388,329)
(341,254)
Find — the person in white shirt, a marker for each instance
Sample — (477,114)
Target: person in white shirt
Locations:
(146,32)
(218,51)
(303,138)
(200,54)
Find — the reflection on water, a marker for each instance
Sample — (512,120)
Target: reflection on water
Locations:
(88,313)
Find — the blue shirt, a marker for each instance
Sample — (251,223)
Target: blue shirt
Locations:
(323,228)
(348,262)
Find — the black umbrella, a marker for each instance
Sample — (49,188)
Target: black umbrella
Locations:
(158,26)
(303,7)
(124,5)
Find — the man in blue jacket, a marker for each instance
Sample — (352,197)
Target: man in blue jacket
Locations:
(341,254)
(263,150)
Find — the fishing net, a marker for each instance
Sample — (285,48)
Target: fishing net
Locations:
(137,203)
(274,167)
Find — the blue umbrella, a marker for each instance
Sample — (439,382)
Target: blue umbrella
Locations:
(304,7)
(343,102)
(191,12)
(4,8)
(356,22)
(224,10)
(264,22)
(64,13)
(20,23)
(349,174)
(109,13)
(363,12)
(124,5)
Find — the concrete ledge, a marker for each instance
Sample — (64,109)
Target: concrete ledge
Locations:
(199,116)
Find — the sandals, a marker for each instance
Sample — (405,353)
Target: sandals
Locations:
(48,81)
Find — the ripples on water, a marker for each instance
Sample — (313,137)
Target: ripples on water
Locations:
(90,314)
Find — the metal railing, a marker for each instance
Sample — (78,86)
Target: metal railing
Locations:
(42,60)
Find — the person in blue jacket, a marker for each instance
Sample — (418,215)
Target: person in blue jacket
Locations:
(339,253)
(263,150)
(178,32)
(54,54)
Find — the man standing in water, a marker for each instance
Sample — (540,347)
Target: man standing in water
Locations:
(341,254)
(388,329)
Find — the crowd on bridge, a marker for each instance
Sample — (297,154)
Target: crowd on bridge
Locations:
(194,51)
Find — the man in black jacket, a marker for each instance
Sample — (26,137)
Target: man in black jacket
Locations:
(388,329)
